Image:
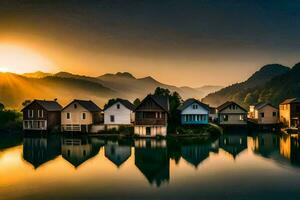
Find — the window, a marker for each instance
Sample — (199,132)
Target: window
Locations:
(30,113)
(195,106)
(262,115)
(40,113)
(75,105)
(68,115)
(274,114)
(112,118)
(118,106)
(241,117)
(83,116)
(158,115)
(225,118)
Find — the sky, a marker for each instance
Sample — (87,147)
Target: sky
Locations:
(184,43)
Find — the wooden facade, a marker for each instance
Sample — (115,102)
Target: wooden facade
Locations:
(289,112)
(41,115)
(232,114)
(151,116)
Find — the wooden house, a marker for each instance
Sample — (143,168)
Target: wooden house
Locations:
(289,111)
(151,116)
(80,116)
(230,113)
(120,113)
(194,112)
(41,115)
(264,114)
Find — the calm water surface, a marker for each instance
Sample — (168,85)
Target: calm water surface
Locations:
(234,166)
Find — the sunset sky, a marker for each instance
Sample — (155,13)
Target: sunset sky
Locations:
(191,43)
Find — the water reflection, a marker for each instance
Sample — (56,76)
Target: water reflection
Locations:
(117,152)
(38,150)
(79,149)
(233,144)
(153,158)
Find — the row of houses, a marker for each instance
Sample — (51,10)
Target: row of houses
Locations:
(150,117)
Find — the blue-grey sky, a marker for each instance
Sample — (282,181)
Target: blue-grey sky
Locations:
(186,42)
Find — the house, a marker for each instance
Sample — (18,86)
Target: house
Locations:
(80,116)
(264,113)
(230,113)
(151,116)
(41,115)
(194,112)
(119,113)
(213,115)
(289,111)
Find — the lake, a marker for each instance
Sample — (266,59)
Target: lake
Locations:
(233,166)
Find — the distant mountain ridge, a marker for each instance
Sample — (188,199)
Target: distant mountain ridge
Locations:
(262,86)
(65,86)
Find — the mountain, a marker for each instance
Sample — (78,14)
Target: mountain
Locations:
(250,91)
(37,74)
(64,86)
(15,89)
(128,86)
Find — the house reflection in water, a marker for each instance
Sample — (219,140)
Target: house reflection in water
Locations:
(151,158)
(78,150)
(117,153)
(196,153)
(290,149)
(233,143)
(266,144)
(38,150)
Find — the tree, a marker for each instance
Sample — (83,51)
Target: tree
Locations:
(162,92)
(136,102)
(26,103)
(174,101)
(110,102)
(2,107)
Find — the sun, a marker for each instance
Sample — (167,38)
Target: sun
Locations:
(3,69)
(19,59)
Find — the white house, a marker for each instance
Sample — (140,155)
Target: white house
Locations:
(119,113)
(264,113)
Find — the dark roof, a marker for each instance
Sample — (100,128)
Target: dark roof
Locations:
(89,105)
(124,102)
(292,100)
(228,103)
(261,105)
(188,102)
(47,105)
(161,101)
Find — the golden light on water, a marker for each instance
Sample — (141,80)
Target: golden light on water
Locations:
(18,59)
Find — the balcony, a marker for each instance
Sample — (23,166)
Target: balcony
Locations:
(150,121)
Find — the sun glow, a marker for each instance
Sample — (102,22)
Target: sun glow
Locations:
(20,60)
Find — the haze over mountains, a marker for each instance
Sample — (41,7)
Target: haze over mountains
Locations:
(64,86)
(272,83)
